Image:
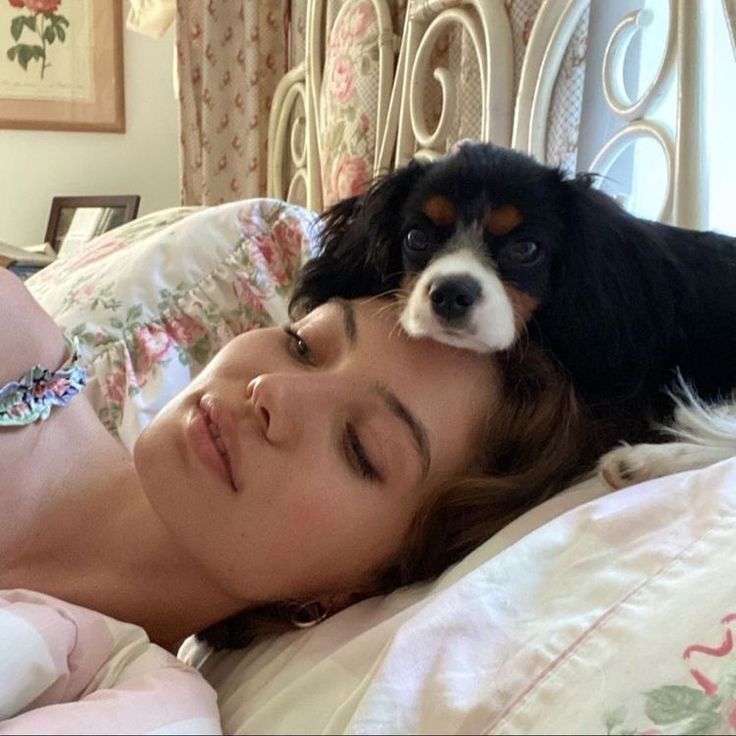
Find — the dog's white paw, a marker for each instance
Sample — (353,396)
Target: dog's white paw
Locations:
(630,464)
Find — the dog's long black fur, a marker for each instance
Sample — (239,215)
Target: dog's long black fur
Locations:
(622,302)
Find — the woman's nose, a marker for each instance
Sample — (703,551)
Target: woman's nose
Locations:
(257,395)
(287,403)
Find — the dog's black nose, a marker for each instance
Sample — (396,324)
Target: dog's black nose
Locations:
(453,296)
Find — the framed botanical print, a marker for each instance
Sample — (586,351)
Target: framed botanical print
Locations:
(61,66)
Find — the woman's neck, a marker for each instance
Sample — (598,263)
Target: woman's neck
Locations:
(91,538)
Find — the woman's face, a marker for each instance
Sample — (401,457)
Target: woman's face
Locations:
(295,463)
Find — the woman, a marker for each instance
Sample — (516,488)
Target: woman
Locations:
(305,468)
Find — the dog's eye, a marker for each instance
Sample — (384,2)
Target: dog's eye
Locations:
(416,240)
(523,251)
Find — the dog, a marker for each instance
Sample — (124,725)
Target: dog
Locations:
(488,248)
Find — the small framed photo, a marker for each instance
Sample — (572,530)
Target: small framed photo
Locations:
(61,65)
(74,220)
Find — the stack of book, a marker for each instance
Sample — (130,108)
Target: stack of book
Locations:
(27,260)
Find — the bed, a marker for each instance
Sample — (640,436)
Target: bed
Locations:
(595,612)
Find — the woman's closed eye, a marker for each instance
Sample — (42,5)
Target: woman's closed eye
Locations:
(357,456)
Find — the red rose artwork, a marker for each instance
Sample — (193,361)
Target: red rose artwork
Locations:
(40,26)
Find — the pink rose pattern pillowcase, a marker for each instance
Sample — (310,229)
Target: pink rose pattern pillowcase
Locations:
(152,301)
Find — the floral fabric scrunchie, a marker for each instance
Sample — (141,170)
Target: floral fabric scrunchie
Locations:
(32,397)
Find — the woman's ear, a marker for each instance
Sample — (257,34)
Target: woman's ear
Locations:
(360,244)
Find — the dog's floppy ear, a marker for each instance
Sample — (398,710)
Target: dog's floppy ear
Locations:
(360,246)
(612,305)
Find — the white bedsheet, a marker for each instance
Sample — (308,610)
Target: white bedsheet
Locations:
(69,670)
(616,617)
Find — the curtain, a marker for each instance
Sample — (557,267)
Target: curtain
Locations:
(230,57)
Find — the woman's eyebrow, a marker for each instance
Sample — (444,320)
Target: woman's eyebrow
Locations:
(417,429)
(393,403)
(348,320)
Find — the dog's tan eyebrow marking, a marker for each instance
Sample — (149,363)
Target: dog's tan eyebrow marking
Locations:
(440,210)
(502,220)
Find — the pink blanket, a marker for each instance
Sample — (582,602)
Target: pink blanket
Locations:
(66,669)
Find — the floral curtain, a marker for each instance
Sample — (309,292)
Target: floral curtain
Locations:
(230,57)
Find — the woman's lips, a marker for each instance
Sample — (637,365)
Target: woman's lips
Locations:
(210,446)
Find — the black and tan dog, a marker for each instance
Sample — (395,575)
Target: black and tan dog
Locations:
(488,247)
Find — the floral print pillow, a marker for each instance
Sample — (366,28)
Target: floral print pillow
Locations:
(349,100)
(152,301)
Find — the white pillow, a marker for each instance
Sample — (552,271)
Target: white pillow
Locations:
(153,300)
(617,616)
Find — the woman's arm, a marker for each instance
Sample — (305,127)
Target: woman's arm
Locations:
(28,335)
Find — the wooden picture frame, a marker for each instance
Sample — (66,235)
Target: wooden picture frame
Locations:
(62,69)
(82,218)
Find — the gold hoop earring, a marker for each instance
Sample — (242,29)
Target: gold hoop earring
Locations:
(306,615)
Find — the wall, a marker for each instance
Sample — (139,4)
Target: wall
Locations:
(38,165)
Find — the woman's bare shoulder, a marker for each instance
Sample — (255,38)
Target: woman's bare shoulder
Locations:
(28,334)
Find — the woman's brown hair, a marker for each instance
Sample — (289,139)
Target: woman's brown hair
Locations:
(537,440)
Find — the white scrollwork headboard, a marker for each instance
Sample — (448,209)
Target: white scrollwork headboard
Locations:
(448,69)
